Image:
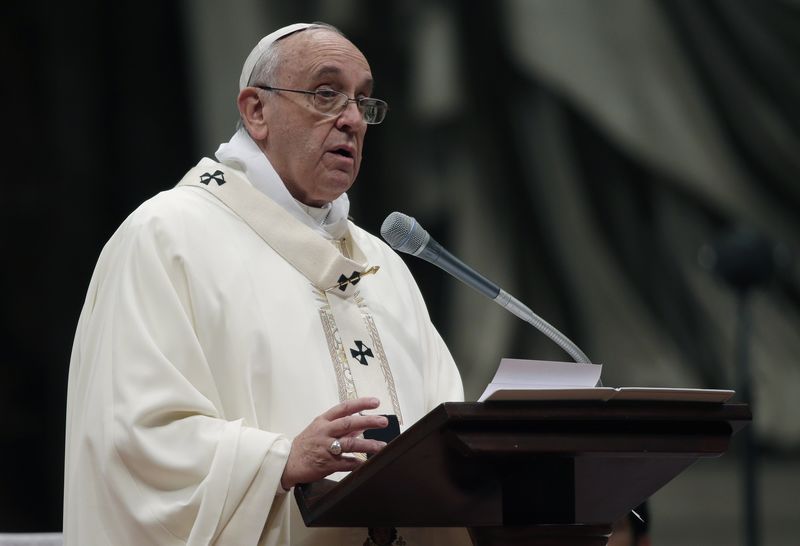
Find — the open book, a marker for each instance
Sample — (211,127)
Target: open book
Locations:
(545,380)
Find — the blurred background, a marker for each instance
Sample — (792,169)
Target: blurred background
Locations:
(628,168)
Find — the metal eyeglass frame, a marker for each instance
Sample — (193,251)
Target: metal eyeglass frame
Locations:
(362,103)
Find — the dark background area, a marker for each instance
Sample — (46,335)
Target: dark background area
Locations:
(85,99)
(534,176)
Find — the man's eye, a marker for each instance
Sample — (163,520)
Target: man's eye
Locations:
(327,94)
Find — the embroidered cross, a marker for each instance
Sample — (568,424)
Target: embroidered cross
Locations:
(217,176)
(352,279)
(384,536)
(362,353)
(344,280)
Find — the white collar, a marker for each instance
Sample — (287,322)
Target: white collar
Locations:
(242,153)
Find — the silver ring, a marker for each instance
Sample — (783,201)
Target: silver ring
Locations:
(336,448)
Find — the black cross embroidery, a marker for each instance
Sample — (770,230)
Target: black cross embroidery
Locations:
(362,353)
(218,177)
(384,536)
(352,279)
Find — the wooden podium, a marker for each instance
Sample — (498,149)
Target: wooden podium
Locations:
(533,473)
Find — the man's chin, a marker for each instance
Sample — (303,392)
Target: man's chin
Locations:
(322,198)
(336,185)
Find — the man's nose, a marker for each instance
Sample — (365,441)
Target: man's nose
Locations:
(350,118)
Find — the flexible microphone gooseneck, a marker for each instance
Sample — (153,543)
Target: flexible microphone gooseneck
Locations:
(404,234)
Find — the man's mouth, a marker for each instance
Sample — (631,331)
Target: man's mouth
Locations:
(343,151)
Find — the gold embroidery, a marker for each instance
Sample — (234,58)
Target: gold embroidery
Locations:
(341,366)
(355,277)
(344,246)
(369,322)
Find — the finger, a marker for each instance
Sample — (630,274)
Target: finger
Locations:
(344,464)
(361,445)
(349,407)
(345,426)
(331,449)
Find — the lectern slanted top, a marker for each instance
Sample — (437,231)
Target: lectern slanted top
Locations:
(514,471)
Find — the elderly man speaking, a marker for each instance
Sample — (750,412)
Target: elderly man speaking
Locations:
(240,333)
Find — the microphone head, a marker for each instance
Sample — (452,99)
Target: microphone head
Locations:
(404,234)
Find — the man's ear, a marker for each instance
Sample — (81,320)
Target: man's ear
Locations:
(251,110)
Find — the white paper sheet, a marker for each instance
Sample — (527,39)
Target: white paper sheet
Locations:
(518,379)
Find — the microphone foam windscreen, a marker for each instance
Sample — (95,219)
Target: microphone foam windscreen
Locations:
(403,233)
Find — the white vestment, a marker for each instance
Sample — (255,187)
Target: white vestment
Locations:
(201,351)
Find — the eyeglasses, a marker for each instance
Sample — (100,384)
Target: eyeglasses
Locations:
(332,103)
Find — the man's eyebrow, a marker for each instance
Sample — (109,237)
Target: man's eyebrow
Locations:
(327,70)
(330,70)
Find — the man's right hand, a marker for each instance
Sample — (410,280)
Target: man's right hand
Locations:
(310,458)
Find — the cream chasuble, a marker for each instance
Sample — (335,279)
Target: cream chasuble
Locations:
(209,338)
(345,317)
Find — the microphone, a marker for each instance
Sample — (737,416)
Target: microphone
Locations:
(404,234)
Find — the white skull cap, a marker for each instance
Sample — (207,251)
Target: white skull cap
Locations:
(262,46)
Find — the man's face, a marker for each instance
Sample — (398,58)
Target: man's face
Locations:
(316,156)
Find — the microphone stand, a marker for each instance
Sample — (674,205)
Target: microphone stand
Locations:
(744,260)
(744,380)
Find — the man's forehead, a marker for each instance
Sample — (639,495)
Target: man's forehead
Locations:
(320,53)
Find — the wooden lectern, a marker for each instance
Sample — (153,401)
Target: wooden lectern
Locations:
(535,473)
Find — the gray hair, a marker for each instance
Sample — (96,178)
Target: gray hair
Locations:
(267,66)
(265,70)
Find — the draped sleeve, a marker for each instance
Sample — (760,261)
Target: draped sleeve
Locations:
(151,456)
